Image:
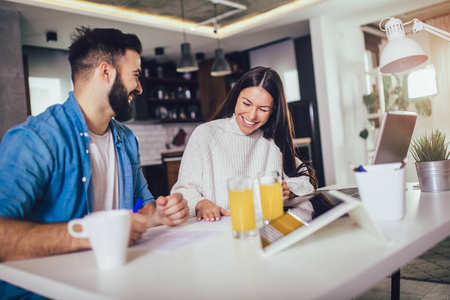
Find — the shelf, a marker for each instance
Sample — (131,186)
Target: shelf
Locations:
(163,121)
(173,101)
(166,99)
(166,121)
(172,80)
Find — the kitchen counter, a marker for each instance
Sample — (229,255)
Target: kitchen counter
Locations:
(152,161)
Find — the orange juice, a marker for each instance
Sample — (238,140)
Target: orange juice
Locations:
(271,200)
(242,210)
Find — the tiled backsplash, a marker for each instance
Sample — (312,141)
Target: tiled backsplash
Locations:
(153,139)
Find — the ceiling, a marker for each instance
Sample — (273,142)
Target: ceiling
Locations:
(158,23)
(422,14)
(196,11)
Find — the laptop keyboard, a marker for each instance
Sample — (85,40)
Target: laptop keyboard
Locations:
(353,191)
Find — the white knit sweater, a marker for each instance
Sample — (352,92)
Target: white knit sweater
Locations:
(218,150)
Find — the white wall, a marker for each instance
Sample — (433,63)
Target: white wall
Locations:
(338,63)
(338,49)
(440,103)
(281,57)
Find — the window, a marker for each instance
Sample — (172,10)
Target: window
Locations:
(422,82)
(49,77)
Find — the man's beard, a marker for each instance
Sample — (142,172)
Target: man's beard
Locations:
(118,99)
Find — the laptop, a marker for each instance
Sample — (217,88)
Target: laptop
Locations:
(393,141)
(395,136)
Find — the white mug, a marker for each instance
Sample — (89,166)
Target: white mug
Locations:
(108,232)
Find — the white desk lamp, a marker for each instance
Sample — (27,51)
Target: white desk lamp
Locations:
(402,53)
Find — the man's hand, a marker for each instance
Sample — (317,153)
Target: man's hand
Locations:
(209,211)
(138,225)
(172,210)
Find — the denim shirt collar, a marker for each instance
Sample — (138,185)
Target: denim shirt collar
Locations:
(73,109)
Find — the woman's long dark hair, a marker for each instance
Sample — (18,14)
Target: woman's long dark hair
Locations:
(279,125)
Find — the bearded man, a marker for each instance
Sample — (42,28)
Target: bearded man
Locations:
(76,158)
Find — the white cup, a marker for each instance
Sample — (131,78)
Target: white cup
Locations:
(108,232)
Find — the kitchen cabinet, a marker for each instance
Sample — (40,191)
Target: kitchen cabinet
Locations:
(156,182)
(172,168)
(214,90)
(190,97)
(161,178)
(168,100)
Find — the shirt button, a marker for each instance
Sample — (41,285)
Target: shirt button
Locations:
(87,151)
(81,134)
(85,134)
(83,179)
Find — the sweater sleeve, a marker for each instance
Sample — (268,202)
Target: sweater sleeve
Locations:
(299,185)
(190,177)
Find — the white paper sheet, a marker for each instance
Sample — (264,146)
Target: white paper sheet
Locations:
(168,240)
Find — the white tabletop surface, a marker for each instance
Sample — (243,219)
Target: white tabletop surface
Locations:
(201,260)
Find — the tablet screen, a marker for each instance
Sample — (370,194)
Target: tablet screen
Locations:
(303,212)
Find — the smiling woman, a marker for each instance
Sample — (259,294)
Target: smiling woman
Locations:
(250,133)
(253,109)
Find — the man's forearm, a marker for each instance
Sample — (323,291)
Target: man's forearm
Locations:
(21,239)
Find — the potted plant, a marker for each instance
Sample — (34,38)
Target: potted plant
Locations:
(431,153)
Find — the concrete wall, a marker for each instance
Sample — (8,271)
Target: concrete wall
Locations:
(13,103)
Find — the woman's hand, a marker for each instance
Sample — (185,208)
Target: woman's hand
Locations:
(209,211)
(285,189)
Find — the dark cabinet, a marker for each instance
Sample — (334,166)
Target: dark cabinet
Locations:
(156,182)
(169,100)
(214,90)
(305,113)
(169,96)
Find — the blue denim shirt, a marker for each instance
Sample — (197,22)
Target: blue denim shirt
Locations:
(45,167)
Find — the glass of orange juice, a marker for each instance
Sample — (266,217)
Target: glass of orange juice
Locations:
(271,195)
(242,209)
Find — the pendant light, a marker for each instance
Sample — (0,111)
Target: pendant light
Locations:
(186,62)
(220,66)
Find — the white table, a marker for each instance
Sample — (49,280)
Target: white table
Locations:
(339,261)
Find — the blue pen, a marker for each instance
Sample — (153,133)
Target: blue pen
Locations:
(137,205)
(360,169)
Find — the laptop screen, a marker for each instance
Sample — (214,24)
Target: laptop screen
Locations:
(394,138)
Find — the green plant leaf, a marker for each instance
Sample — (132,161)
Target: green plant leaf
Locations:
(430,147)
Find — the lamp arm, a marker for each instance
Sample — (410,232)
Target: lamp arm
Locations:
(419,26)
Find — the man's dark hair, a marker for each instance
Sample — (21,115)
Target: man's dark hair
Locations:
(90,47)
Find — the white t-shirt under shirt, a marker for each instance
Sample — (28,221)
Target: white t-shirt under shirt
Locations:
(104,171)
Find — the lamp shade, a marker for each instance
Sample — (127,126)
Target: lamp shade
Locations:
(220,66)
(401,53)
(186,62)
